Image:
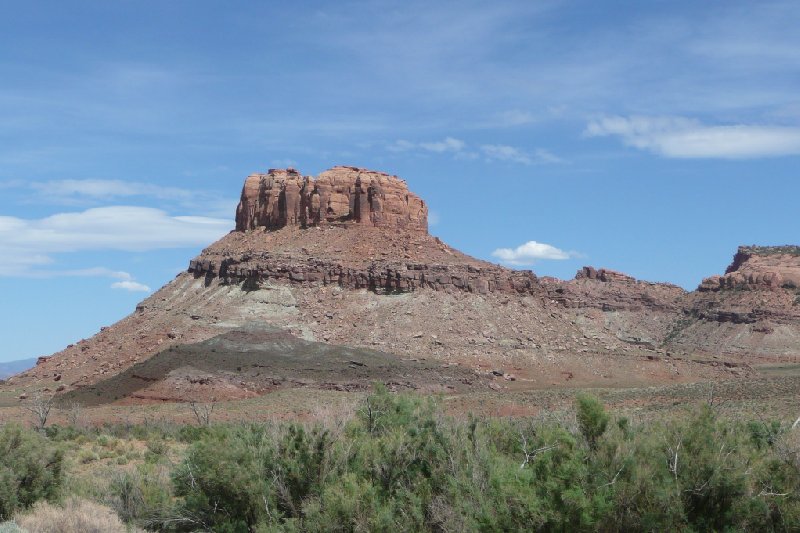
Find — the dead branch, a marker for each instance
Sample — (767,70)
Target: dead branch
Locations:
(531,455)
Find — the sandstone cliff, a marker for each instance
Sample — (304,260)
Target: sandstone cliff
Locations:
(341,195)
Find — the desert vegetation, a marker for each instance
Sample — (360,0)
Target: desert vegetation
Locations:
(399,464)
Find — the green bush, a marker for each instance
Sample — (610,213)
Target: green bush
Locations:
(30,469)
(142,496)
(399,465)
(592,418)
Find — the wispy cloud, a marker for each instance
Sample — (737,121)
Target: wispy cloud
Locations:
(87,273)
(530,252)
(108,189)
(449,144)
(28,245)
(680,137)
(490,152)
(446,145)
(132,286)
(502,152)
(126,280)
(93,192)
(283,163)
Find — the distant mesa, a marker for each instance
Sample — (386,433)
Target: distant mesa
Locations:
(339,196)
(759,268)
(603,275)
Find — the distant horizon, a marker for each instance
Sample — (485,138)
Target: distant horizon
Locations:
(651,139)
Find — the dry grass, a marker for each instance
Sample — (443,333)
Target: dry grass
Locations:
(74,516)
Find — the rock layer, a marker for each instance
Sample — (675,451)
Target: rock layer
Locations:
(341,195)
(380,277)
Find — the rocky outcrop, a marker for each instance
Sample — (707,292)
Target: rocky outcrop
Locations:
(753,309)
(379,277)
(759,268)
(609,290)
(341,195)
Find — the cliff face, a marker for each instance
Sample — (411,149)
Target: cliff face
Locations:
(341,195)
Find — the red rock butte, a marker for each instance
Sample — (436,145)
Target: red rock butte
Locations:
(339,196)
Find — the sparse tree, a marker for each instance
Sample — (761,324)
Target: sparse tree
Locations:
(203,411)
(75,414)
(40,405)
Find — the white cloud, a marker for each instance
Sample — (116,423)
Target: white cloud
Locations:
(530,252)
(131,286)
(681,137)
(28,244)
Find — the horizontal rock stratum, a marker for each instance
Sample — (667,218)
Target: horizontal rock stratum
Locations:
(341,195)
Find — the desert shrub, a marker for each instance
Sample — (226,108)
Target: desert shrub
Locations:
(75,516)
(764,434)
(30,469)
(142,496)
(157,446)
(87,456)
(10,527)
(592,418)
(399,465)
(237,478)
(189,434)
(59,433)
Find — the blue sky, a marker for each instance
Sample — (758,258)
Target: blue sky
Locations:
(648,137)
